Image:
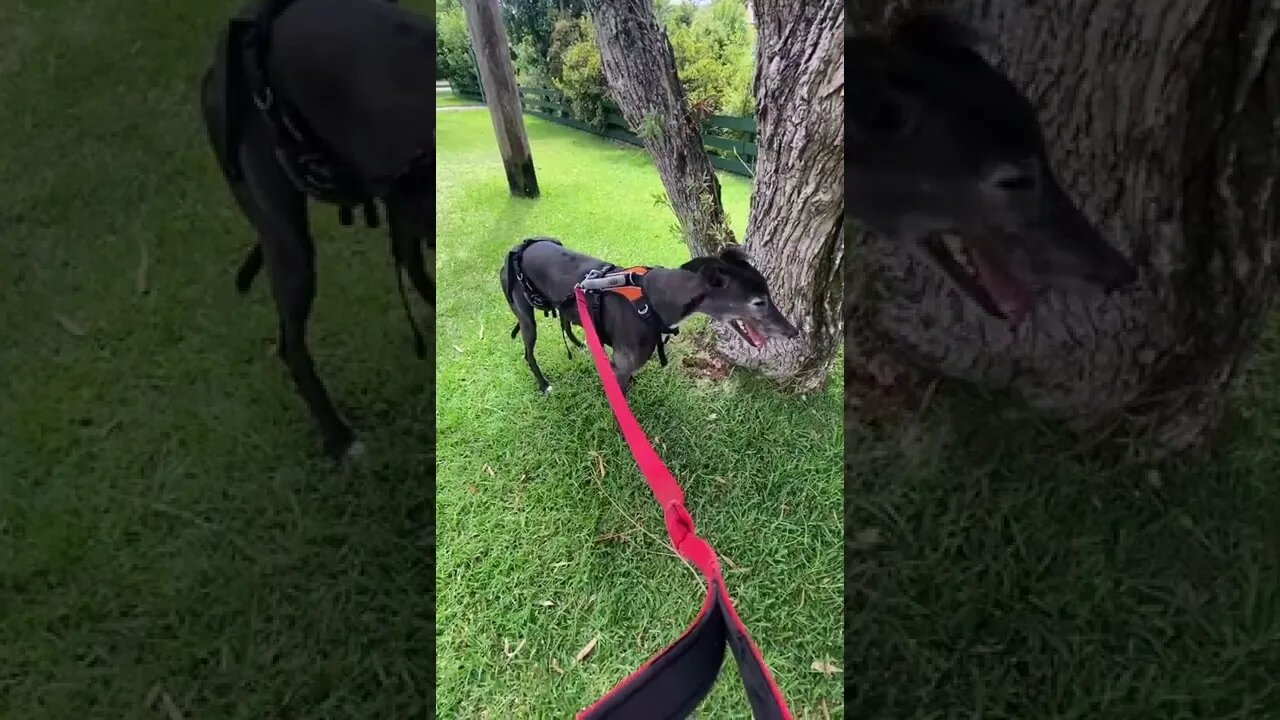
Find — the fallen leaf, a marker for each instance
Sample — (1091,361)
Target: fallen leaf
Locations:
(488,470)
(825,667)
(458,348)
(547,603)
(712,416)
(170,708)
(586,649)
(481,331)
(866,539)
(556,666)
(473,489)
(158,699)
(562,563)
(140,280)
(599,463)
(506,648)
(68,325)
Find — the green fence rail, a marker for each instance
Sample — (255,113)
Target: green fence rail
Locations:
(730,141)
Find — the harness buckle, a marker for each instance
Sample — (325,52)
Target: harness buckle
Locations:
(264,99)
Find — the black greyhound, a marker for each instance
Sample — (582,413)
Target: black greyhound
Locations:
(943,152)
(328,100)
(643,304)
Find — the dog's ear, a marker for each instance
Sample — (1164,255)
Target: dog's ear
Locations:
(735,255)
(710,269)
(932,30)
(880,104)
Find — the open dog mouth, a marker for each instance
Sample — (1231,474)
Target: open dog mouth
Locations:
(748,331)
(983,277)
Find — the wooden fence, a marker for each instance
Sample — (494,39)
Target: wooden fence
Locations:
(729,141)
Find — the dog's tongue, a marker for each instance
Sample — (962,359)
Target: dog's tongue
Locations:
(748,330)
(1014,299)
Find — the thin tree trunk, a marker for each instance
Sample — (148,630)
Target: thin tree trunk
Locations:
(1163,120)
(498,80)
(641,71)
(795,234)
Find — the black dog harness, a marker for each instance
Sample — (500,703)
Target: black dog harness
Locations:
(314,167)
(628,283)
(608,278)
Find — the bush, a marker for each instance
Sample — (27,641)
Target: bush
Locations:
(453,59)
(575,70)
(531,69)
(714,49)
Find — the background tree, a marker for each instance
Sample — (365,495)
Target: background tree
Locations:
(641,71)
(795,231)
(1162,120)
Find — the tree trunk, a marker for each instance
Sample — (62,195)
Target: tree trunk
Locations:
(641,71)
(795,234)
(1163,120)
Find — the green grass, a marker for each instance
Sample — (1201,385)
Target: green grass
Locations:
(539,552)
(165,519)
(448,99)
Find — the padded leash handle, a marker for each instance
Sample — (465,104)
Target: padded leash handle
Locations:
(595,280)
(673,683)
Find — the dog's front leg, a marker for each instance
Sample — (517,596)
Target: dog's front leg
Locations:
(279,214)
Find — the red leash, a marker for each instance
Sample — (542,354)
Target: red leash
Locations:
(672,683)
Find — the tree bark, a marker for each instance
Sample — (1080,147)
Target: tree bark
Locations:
(1163,120)
(498,82)
(641,71)
(795,234)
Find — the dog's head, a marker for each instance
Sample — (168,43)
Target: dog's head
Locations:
(735,293)
(944,152)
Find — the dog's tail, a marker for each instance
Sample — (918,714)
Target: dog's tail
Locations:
(515,331)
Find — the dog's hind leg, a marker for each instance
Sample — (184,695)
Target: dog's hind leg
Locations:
(566,326)
(409,218)
(410,226)
(527,324)
(626,361)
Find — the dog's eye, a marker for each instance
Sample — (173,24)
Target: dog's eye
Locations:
(757,302)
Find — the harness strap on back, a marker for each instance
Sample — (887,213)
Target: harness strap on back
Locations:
(672,684)
(515,274)
(312,166)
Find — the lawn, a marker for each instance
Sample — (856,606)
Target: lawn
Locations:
(167,527)
(448,99)
(547,535)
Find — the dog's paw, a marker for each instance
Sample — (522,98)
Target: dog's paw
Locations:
(547,390)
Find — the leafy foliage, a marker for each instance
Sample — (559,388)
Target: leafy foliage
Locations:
(714,48)
(453,60)
(576,70)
